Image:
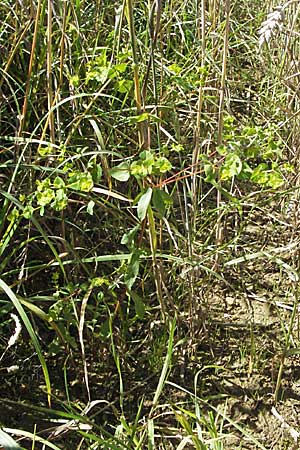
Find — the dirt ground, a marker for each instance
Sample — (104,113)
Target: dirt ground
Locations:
(254,319)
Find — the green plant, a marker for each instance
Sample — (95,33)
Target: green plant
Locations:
(148,154)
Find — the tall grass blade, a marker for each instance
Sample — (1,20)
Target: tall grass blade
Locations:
(4,287)
(167,364)
(7,442)
(32,437)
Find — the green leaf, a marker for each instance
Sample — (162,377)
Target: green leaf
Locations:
(43,151)
(81,182)
(139,169)
(124,86)
(144,165)
(260,174)
(74,80)
(137,119)
(128,238)
(231,167)
(45,197)
(132,269)
(160,200)
(96,173)
(13,215)
(210,172)
(28,211)
(252,151)
(138,304)
(42,185)
(99,74)
(61,200)
(121,172)
(100,281)
(146,155)
(162,165)
(35,309)
(121,67)
(58,183)
(275,179)
(222,150)
(143,204)
(175,68)
(246,172)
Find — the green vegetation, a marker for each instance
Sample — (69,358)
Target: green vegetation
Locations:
(148,225)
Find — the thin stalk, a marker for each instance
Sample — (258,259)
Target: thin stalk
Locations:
(154,78)
(118,29)
(62,43)
(49,73)
(154,32)
(156,268)
(117,361)
(219,228)
(30,67)
(196,151)
(142,131)
(195,161)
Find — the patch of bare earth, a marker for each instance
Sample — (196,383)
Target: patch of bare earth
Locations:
(251,337)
